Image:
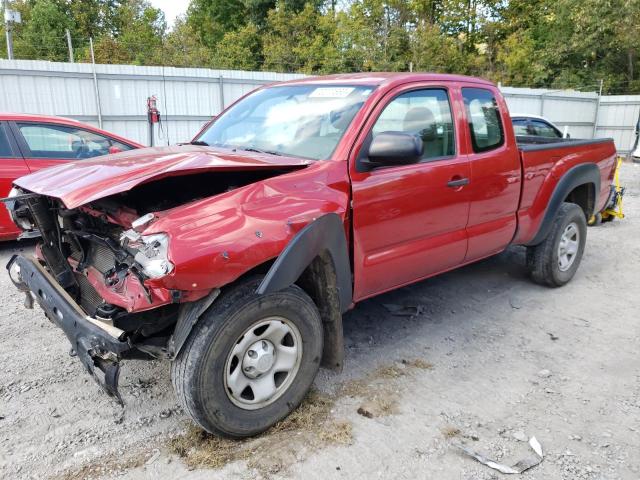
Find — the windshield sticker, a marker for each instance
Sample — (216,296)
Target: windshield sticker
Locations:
(331,92)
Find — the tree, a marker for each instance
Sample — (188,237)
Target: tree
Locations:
(299,41)
(240,49)
(212,19)
(182,47)
(137,32)
(43,35)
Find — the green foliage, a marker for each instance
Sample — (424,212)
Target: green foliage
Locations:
(42,35)
(537,43)
(240,49)
(211,19)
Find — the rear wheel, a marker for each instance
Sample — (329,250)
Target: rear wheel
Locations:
(555,261)
(250,360)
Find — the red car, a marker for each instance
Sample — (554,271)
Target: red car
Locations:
(236,256)
(31,142)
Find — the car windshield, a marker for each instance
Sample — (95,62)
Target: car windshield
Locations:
(299,120)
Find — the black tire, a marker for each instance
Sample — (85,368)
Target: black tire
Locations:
(543,259)
(198,372)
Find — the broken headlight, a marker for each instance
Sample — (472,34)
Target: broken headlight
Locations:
(151,253)
(18,211)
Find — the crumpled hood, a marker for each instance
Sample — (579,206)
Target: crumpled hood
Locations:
(83,181)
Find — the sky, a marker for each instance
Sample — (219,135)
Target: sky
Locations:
(171,8)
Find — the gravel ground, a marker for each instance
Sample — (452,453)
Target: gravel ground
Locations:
(488,360)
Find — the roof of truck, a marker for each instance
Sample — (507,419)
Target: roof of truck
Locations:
(384,78)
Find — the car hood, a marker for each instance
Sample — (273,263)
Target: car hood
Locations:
(83,181)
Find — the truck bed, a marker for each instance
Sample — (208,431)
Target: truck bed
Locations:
(545,157)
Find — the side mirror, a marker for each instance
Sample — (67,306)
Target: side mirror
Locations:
(395,148)
(114,149)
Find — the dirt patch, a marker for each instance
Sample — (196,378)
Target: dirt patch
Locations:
(450,432)
(109,465)
(380,388)
(312,423)
(379,406)
(274,450)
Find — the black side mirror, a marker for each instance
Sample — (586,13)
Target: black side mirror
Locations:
(395,148)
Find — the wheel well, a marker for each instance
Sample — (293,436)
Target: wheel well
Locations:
(585,197)
(319,281)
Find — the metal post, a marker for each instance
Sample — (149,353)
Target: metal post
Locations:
(595,120)
(221,84)
(8,28)
(70,45)
(410,66)
(95,83)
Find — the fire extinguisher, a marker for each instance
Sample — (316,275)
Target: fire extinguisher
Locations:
(153,115)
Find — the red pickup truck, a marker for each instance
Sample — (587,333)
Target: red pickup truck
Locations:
(236,255)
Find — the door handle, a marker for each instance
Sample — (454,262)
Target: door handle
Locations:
(458,182)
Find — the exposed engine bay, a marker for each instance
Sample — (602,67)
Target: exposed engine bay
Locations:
(99,255)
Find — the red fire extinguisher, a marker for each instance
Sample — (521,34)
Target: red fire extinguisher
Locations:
(153,115)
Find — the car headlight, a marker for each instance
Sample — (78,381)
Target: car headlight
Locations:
(19,212)
(152,254)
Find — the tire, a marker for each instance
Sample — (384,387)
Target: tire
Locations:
(546,262)
(234,324)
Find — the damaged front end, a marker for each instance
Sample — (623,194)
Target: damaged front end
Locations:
(93,277)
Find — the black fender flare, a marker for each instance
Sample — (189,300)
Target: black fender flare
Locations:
(585,173)
(325,233)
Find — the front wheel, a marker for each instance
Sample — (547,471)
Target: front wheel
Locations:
(250,360)
(554,261)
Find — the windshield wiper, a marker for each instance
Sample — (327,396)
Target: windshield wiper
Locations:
(199,142)
(257,150)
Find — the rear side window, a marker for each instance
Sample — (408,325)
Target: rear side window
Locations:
(484,119)
(5,148)
(57,141)
(543,129)
(520,127)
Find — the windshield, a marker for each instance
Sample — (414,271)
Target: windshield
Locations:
(299,120)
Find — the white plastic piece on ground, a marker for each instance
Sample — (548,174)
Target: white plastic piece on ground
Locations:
(521,466)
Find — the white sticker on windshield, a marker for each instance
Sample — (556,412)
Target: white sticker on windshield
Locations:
(331,92)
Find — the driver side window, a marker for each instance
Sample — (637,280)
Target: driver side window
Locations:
(61,142)
(425,113)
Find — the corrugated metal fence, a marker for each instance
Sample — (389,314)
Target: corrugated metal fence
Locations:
(115,96)
(583,113)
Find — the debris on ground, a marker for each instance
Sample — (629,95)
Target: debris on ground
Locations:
(379,406)
(404,310)
(520,436)
(521,466)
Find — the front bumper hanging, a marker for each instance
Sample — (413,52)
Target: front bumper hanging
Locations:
(98,345)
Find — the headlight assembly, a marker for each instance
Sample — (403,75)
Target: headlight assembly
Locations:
(152,254)
(18,211)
